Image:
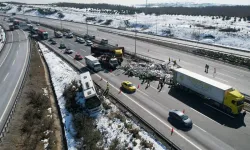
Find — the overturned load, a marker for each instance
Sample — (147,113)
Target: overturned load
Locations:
(150,71)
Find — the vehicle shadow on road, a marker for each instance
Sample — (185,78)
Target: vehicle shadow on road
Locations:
(197,103)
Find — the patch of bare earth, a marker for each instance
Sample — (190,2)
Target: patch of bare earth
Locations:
(35,120)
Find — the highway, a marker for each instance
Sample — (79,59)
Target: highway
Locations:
(13,62)
(91,28)
(231,75)
(211,130)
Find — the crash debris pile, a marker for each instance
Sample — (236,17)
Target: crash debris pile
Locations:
(151,71)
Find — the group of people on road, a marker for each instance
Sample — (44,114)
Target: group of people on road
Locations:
(206,70)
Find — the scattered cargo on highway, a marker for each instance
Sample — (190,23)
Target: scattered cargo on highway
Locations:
(152,71)
(218,94)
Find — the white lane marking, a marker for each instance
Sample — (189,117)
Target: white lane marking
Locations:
(200,128)
(235,73)
(5,76)
(13,62)
(82,50)
(8,51)
(226,75)
(221,79)
(203,115)
(71,44)
(218,110)
(16,83)
(16,52)
(143,92)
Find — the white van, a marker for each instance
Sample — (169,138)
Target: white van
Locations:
(93,63)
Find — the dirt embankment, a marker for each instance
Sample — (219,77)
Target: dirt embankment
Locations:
(35,123)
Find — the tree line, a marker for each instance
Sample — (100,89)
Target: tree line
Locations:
(230,11)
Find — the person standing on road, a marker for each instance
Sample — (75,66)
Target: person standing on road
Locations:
(159,84)
(107,89)
(207,68)
(214,72)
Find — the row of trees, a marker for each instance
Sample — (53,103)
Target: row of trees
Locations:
(229,11)
(107,8)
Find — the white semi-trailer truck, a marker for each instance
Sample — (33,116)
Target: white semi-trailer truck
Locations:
(219,94)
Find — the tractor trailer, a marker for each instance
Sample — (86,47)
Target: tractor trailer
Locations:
(218,94)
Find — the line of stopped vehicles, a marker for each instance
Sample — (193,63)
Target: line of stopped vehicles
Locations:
(108,57)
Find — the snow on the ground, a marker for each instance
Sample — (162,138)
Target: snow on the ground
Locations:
(2,38)
(62,74)
(115,128)
(45,143)
(183,27)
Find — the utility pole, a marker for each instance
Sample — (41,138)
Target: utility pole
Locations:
(135,34)
(156,25)
(61,22)
(146,7)
(87,27)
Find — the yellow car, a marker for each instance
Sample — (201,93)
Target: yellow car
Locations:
(128,86)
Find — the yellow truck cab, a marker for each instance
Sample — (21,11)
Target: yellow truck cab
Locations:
(234,100)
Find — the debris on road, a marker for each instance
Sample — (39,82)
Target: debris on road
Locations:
(151,71)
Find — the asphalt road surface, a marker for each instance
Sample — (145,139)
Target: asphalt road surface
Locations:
(211,130)
(13,63)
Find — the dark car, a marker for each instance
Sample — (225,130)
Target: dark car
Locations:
(53,42)
(62,46)
(50,39)
(69,35)
(180,118)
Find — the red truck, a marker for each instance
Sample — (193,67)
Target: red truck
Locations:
(43,35)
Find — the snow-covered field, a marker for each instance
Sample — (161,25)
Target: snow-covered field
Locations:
(62,74)
(183,27)
(2,38)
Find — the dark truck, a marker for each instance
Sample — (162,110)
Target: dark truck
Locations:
(112,51)
(108,62)
(11,27)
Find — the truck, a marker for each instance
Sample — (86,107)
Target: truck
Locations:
(11,27)
(108,62)
(217,94)
(43,35)
(16,24)
(58,34)
(117,52)
(93,63)
(90,101)
(30,27)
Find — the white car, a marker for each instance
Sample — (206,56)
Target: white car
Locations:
(68,51)
(89,43)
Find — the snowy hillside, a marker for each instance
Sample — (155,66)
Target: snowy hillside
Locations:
(213,30)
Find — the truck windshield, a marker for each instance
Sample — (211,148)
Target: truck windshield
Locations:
(113,61)
(98,66)
(239,103)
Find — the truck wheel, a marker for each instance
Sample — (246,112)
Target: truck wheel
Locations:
(228,110)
